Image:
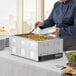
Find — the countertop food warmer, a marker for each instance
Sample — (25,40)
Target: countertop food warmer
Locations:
(36,47)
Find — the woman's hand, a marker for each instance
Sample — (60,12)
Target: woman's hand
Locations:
(57,32)
(38,24)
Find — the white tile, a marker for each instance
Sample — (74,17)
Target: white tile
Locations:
(33,44)
(13,40)
(32,55)
(22,52)
(13,50)
(23,42)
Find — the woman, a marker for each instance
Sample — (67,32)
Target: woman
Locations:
(64,17)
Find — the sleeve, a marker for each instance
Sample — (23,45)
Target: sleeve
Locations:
(71,30)
(49,22)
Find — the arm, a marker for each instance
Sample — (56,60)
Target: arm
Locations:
(49,22)
(71,30)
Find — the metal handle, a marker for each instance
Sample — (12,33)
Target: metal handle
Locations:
(32,31)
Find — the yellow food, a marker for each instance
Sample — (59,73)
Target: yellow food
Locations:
(70,70)
(35,37)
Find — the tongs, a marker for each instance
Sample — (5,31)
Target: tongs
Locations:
(32,30)
(61,67)
(63,73)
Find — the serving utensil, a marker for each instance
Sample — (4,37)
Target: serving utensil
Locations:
(61,67)
(32,31)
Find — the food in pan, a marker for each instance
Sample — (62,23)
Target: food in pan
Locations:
(35,37)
